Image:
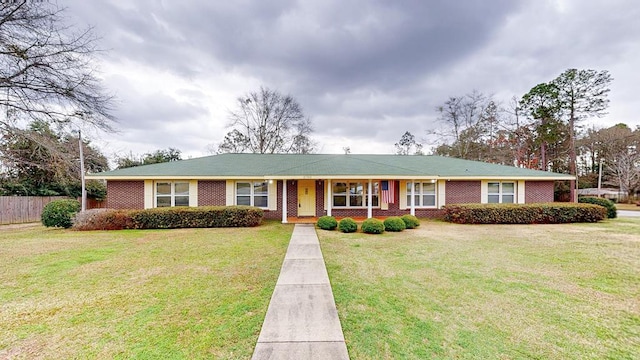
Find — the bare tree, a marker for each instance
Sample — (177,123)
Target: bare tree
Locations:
(46,69)
(267,122)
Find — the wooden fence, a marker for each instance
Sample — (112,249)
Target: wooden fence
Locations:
(23,209)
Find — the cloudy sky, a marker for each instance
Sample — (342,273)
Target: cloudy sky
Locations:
(365,71)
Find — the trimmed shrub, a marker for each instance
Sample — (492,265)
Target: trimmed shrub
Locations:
(373,226)
(327,223)
(171,218)
(394,223)
(348,225)
(103,219)
(612,212)
(542,213)
(410,221)
(60,213)
(197,217)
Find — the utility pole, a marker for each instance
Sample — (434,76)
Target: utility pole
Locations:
(84,191)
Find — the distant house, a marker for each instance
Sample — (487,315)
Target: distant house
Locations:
(608,193)
(287,186)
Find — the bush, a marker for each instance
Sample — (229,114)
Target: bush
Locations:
(172,218)
(394,223)
(327,223)
(197,217)
(103,219)
(348,225)
(410,221)
(373,226)
(612,212)
(543,213)
(60,213)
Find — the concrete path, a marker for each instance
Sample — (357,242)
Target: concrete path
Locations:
(628,213)
(302,321)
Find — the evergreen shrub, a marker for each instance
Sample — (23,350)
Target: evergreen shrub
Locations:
(410,221)
(612,212)
(327,223)
(60,213)
(348,225)
(394,223)
(373,226)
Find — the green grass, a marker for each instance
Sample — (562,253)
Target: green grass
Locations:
(447,291)
(167,294)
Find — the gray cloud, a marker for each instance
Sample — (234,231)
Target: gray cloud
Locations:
(367,70)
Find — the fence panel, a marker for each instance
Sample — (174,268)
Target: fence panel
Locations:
(23,209)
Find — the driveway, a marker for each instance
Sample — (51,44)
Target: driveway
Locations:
(628,213)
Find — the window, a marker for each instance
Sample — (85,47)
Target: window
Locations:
(254,193)
(424,194)
(172,194)
(501,192)
(354,194)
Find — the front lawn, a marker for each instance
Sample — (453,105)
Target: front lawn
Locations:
(154,294)
(448,291)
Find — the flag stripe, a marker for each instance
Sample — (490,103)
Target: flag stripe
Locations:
(388,191)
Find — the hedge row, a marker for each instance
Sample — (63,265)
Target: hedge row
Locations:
(542,213)
(170,218)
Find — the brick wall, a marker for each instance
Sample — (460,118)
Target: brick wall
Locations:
(461,192)
(125,194)
(538,191)
(212,193)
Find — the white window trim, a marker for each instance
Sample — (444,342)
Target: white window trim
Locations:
(365,196)
(252,194)
(173,192)
(420,194)
(501,193)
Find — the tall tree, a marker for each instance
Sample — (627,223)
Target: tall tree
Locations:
(267,122)
(408,145)
(41,161)
(542,106)
(46,69)
(582,94)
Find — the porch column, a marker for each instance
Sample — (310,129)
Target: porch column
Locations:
(284,201)
(330,199)
(369,203)
(413,198)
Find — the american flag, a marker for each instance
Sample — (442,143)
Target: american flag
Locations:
(388,191)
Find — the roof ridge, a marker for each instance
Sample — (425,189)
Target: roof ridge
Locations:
(325,157)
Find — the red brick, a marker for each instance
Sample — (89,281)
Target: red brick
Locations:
(462,192)
(538,191)
(125,194)
(212,193)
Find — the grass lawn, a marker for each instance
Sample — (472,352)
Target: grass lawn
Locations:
(450,291)
(164,294)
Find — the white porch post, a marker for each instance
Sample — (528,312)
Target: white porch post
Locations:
(330,197)
(284,201)
(413,197)
(369,203)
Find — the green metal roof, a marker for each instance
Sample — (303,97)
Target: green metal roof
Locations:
(325,166)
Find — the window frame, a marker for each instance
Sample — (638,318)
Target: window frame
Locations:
(501,193)
(252,195)
(173,194)
(421,194)
(347,195)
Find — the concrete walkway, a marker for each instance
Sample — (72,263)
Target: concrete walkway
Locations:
(302,321)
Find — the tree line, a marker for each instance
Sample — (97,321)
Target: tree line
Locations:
(544,130)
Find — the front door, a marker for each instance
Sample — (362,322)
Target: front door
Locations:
(307,198)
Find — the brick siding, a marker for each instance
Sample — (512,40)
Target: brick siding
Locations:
(212,193)
(538,191)
(125,194)
(462,192)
